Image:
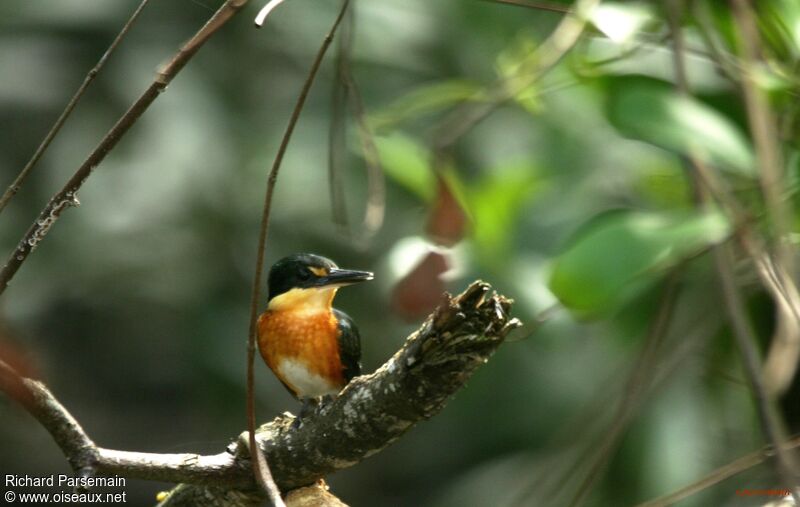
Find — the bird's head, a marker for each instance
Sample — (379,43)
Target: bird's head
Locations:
(308,282)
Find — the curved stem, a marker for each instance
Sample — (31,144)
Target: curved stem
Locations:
(260,467)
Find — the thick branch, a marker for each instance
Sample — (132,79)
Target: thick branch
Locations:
(372,412)
(375,410)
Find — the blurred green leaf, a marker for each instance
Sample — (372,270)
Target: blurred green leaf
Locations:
(511,66)
(664,186)
(780,27)
(651,111)
(619,252)
(496,202)
(425,100)
(407,163)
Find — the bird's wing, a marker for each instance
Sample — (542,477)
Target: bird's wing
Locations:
(349,346)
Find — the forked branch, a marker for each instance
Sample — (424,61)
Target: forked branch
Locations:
(372,412)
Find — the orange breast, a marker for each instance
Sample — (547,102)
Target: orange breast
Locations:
(310,339)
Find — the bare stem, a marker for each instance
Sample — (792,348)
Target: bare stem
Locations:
(747,343)
(376,186)
(742,331)
(531,4)
(337,131)
(762,127)
(67,196)
(636,386)
(260,467)
(345,91)
(720,474)
(12,190)
(781,362)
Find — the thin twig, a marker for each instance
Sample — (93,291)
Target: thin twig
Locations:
(376,186)
(337,131)
(260,467)
(591,423)
(735,467)
(66,197)
(742,331)
(782,358)
(12,190)
(773,277)
(461,120)
(530,4)
(725,61)
(532,326)
(762,129)
(636,386)
(747,343)
(345,91)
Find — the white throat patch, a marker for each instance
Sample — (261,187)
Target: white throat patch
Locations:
(304,300)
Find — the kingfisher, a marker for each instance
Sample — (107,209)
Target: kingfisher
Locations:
(313,348)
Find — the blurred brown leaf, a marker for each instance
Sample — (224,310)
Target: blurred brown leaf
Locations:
(418,293)
(447,222)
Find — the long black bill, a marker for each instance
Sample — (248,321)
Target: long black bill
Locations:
(343,277)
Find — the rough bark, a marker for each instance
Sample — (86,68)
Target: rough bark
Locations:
(375,410)
(372,412)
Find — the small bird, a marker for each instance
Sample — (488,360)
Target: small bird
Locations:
(313,348)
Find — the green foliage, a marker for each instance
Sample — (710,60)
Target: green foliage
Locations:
(407,164)
(616,254)
(496,203)
(780,26)
(664,187)
(493,203)
(652,111)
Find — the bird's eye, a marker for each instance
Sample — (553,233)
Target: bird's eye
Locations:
(304,274)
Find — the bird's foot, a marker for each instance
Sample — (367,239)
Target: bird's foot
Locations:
(306,409)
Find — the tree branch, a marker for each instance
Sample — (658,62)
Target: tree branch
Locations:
(372,412)
(12,189)
(34,396)
(66,197)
